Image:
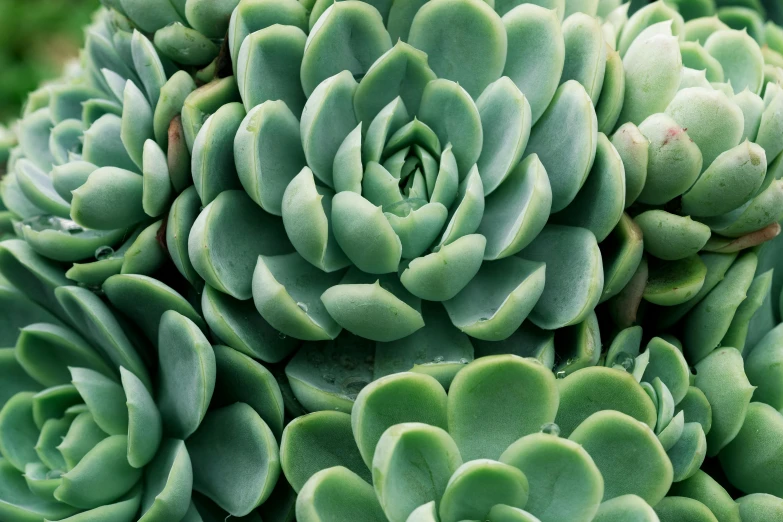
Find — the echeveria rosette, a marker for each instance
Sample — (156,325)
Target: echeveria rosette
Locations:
(403,187)
(88,434)
(101,154)
(407,188)
(595,445)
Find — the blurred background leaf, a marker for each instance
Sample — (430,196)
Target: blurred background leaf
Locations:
(37,38)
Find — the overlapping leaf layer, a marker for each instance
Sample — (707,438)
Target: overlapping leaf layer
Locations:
(404,260)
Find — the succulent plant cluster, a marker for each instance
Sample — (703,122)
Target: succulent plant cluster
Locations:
(409,261)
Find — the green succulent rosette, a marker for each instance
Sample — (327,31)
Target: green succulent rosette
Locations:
(510,442)
(89,433)
(465,235)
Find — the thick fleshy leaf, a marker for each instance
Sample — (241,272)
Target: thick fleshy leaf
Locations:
(487,392)
(105,399)
(625,507)
(336,494)
(328,376)
(554,496)
(621,254)
(498,299)
(20,503)
(755,507)
(477,58)
(268,67)
(440,276)
(447,108)
(653,67)
(187,374)
(46,351)
(185,45)
(102,476)
(403,71)
(575,275)
(518,210)
(316,442)
(667,363)
(172,98)
(205,101)
(591,390)
(751,224)
(137,122)
(237,324)
(628,455)
(722,378)
(268,153)
(157,188)
(674,282)
(709,320)
(227,238)
(144,422)
(674,163)
(599,204)
(111,198)
(740,57)
(467,212)
(81,437)
(713,121)
(213,166)
(241,379)
(671,237)
(235,459)
(674,508)
(70,176)
(527,341)
(103,146)
(610,104)
(145,254)
(37,186)
(395,399)
(52,403)
(306,209)
(412,466)
(535,43)
(66,139)
(327,119)
(182,215)
(144,300)
(388,311)
(287,293)
(578,346)
(35,276)
(731,180)
(706,490)
(585,53)
(169,481)
(752,460)
(16,380)
(348,36)
(762,368)
(34,137)
(18,432)
(417,228)
(567,170)
(479,485)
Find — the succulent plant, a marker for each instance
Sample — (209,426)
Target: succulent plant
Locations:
(442,244)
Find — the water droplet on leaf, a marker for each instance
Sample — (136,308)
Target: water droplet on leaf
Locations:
(550,428)
(104,252)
